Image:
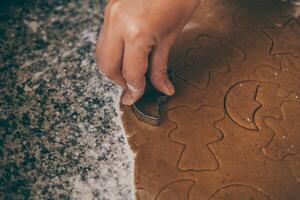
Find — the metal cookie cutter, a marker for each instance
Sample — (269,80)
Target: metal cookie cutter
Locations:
(146,109)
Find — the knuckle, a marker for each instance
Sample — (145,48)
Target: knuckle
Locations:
(157,72)
(140,39)
(160,69)
(136,33)
(113,10)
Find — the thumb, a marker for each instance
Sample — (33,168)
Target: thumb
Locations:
(158,69)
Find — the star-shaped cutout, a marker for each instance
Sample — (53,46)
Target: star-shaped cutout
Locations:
(285,39)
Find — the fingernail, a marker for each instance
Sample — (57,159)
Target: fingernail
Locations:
(170,87)
(127,99)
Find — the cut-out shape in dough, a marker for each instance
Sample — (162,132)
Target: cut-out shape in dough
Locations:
(287,76)
(238,192)
(177,190)
(255,13)
(267,96)
(286,138)
(279,146)
(210,56)
(178,54)
(291,122)
(196,134)
(240,103)
(285,39)
(294,166)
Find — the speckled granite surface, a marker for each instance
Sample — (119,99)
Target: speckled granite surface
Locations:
(59,134)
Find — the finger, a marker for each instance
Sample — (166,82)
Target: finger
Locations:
(158,68)
(109,53)
(135,63)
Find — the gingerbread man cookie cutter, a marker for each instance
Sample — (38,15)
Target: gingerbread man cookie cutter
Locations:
(147,108)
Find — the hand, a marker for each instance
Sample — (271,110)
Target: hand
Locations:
(136,36)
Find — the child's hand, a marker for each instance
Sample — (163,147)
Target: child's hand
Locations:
(137,34)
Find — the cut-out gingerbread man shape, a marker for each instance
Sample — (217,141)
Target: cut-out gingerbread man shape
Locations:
(291,122)
(287,76)
(196,134)
(210,56)
(285,39)
(280,144)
